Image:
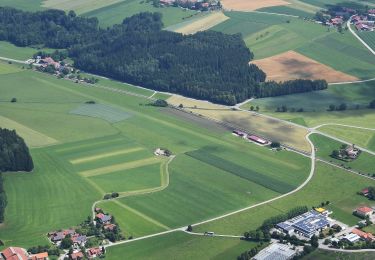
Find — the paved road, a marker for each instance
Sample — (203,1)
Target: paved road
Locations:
(213,235)
(13,60)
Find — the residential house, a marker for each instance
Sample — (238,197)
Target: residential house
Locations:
(79,240)
(40,256)
(364,212)
(109,227)
(363,235)
(14,253)
(76,256)
(103,218)
(94,252)
(352,238)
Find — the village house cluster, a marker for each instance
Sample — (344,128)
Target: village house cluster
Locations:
(203,5)
(364,22)
(251,137)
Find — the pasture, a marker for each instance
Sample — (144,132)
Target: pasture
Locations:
(200,23)
(116,13)
(179,245)
(364,163)
(9,50)
(7,69)
(355,96)
(331,255)
(292,65)
(361,137)
(27,5)
(368,37)
(329,183)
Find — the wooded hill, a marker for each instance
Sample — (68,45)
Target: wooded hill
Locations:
(14,154)
(207,65)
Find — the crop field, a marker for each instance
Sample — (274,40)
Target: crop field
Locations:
(289,10)
(179,245)
(116,13)
(245,5)
(354,95)
(201,23)
(292,65)
(364,163)
(272,129)
(361,137)
(105,112)
(329,183)
(79,6)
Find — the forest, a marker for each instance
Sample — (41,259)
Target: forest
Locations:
(14,154)
(207,65)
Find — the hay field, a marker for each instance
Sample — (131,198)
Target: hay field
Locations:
(79,6)
(292,65)
(203,23)
(32,138)
(252,122)
(250,5)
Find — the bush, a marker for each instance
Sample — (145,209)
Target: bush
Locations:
(13,100)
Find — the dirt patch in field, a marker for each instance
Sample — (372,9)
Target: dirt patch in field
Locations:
(250,5)
(292,65)
(202,24)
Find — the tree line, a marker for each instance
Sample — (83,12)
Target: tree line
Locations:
(207,65)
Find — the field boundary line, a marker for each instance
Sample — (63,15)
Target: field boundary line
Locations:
(119,167)
(344,125)
(105,155)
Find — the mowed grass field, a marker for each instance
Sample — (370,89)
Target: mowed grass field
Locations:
(179,245)
(28,5)
(79,6)
(94,157)
(117,12)
(368,37)
(364,163)
(361,137)
(329,183)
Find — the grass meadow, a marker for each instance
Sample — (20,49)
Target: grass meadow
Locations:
(93,156)
(117,12)
(179,245)
(27,5)
(361,137)
(331,255)
(368,37)
(364,163)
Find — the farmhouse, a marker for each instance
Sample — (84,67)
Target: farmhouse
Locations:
(365,192)
(352,238)
(94,252)
(337,21)
(363,211)
(57,236)
(77,256)
(14,253)
(276,251)
(103,218)
(49,61)
(40,256)
(307,224)
(79,240)
(110,227)
(363,235)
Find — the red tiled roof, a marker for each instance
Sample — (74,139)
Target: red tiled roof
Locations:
(76,255)
(364,210)
(40,256)
(362,234)
(14,253)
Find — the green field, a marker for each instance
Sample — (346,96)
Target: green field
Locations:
(354,95)
(179,245)
(329,183)
(331,255)
(364,163)
(289,10)
(28,5)
(361,137)
(100,157)
(368,37)
(116,13)
(79,6)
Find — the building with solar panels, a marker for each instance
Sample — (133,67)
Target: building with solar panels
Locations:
(307,224)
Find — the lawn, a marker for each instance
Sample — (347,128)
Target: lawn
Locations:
(324,145)
(361,137)
(329,183)
(179,245)
(116,13)
(353,95)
